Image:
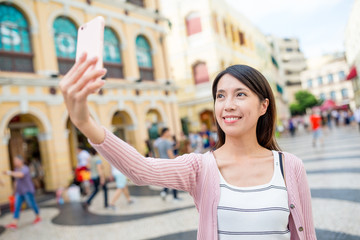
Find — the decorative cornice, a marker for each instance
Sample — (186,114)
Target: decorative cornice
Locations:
(117,15)
(51,82)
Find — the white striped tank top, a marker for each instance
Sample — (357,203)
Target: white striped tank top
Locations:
(259,212)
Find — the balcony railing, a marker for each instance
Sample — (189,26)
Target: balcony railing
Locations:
(16,62)
(65,65)
(146,73)
(114,70)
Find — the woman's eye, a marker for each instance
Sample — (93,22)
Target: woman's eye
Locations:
(219,95)
(241,94)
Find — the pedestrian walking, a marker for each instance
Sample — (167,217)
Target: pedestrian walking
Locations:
(292,127)
(24,191)
(184,145)
(165,150)
(315,120)
(245,188)
(357,116)
(82,171)
(37,172)
(97,177)
(121,188)
(336,116)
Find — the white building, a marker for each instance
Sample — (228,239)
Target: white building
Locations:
(325,77)
(206,37)
(352,48)
(292,63)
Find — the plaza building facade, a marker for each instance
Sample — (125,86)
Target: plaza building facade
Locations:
(292,62)
(207,36)
(325,77)
(38,46)
(352,49)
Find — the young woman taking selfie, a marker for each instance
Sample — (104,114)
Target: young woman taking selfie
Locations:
(243,189)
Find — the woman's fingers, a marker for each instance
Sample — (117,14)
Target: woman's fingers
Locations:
(83,68)
(68,77)
(77,72)
(85,80)
(90,88)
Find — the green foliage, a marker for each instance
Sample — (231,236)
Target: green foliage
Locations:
(304,100)
(296,109)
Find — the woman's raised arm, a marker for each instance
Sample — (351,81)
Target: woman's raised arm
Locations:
(180,173)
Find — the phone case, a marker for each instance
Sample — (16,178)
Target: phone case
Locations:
(91,40)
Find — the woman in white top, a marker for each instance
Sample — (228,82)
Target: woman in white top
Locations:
(245,116)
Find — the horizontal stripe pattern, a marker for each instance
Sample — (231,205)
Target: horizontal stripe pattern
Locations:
(253,210)
(253,190)
(259,210)
(255,233)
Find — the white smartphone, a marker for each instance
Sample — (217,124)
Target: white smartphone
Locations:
(91,40)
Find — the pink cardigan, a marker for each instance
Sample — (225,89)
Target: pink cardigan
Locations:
(198,175)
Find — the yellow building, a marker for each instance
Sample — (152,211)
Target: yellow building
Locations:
(38,45)
(207,36)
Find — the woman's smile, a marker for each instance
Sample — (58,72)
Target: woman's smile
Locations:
(231,119)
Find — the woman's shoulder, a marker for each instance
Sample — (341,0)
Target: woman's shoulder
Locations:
(292,160)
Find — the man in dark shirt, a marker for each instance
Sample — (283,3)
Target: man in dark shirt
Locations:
(24,190)
(165,150)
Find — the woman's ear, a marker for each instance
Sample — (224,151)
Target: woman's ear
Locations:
(264,105)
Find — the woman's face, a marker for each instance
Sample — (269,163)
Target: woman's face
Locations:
(237,108)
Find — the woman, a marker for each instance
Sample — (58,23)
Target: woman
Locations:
(121,187)
(24,191)
(243,161)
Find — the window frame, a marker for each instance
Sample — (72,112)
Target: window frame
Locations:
(194,71)
(146,72)
(18,55)
(64,63)
(114,69)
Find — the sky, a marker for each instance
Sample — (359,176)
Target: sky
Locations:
(318,24)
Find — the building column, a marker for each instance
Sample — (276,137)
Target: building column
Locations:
(55,151)
(131,69)
(141,131)
(7,189)
(45,61)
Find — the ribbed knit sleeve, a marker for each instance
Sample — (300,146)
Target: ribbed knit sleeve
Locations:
(301,222)
(305,201)
(179,173)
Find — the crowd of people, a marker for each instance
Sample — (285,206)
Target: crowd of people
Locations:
(90,171)
(167,146)
(327,120)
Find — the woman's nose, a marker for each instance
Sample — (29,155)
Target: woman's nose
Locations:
(229,104)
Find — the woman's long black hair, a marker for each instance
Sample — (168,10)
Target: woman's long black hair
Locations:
(257,83)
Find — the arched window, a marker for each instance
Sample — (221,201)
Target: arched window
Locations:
(193,23)
(200,73)
(112,54)
(144,60)
(15,45)
(65,37)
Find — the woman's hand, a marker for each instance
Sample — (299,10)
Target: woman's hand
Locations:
(76,86)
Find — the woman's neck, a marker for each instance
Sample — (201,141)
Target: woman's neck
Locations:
(246,144)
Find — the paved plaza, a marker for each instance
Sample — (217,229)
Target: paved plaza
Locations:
(334,177)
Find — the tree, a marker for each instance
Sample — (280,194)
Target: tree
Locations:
(304,100)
